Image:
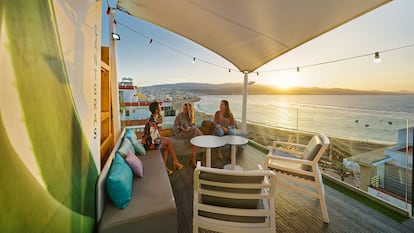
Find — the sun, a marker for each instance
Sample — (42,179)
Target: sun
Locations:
(285,80)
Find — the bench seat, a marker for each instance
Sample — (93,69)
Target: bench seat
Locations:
(152,200)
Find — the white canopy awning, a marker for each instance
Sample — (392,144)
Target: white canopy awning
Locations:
(249,33)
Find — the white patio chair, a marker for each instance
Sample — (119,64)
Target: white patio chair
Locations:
(234,201)
(298,166)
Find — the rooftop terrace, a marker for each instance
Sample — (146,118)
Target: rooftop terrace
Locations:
(294,211)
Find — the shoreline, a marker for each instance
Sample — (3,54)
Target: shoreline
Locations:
(265,135)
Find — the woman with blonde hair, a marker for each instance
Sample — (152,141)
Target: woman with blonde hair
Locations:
(184,128)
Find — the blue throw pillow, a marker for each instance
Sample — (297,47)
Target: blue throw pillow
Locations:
(119,182)
(130,134)
(125,147)
(139,148)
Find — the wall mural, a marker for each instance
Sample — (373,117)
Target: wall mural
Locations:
(48,170)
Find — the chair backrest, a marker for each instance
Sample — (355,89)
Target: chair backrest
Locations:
(228,200)
(315,149)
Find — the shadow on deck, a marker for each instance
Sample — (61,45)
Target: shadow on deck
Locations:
(294,211)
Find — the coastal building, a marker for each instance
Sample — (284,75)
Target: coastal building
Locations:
(386,173)
(134,105)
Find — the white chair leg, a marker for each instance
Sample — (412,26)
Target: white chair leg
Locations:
(195,227)
(321,195)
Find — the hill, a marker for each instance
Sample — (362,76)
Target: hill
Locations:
(260,89)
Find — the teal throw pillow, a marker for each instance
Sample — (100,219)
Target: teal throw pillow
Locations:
(125,147)
(119,182)
(130,134)
(139,148)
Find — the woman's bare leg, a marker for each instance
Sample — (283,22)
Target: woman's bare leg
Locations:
(193,161)
(170,149)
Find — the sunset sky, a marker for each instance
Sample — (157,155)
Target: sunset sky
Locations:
(170,59)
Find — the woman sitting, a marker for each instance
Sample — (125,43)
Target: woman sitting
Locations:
(152,139)
(224,122)
(184,128)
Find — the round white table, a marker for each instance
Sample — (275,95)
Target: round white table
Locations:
(234,141)
(208,142)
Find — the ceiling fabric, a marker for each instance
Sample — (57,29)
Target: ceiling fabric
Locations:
(248,33)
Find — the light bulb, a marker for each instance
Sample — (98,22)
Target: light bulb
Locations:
(377,58)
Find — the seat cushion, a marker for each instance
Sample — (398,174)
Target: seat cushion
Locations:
(310,151)
(313,147)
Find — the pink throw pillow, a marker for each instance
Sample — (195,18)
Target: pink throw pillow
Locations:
(135,164)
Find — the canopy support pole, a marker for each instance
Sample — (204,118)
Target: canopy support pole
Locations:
(116,121)
(244,106)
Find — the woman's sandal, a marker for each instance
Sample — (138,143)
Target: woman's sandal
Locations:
(169,172)
(177,165)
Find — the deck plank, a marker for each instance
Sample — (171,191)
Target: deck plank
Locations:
(295,212)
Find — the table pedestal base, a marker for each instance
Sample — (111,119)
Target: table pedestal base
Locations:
(236,167)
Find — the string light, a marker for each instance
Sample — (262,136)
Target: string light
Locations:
(116,36)
(377,58)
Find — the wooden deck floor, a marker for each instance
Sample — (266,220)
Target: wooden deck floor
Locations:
(294,211)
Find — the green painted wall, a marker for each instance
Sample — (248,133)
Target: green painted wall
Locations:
(47,169)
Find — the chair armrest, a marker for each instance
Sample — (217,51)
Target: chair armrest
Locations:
(289,159)
(293,152)
(265,180)
(275,143)
(288,147)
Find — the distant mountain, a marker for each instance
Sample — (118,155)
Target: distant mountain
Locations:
(260,89)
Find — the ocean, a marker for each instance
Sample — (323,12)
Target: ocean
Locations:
(375,118)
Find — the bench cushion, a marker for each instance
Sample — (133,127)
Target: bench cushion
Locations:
(152,202)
